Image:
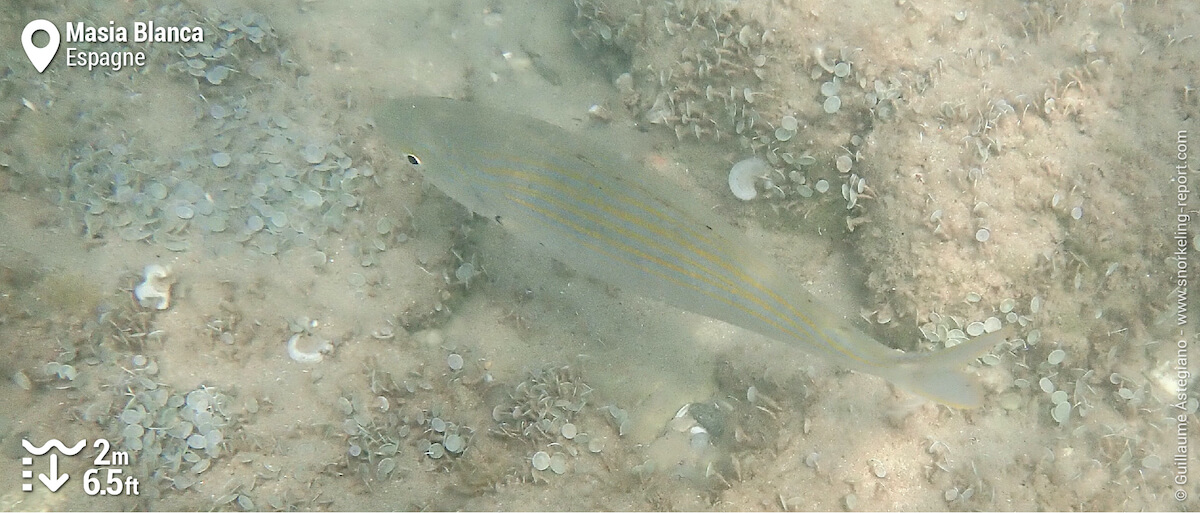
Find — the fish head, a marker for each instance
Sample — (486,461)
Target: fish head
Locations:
(437,139)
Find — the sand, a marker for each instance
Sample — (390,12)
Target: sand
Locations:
(948,117)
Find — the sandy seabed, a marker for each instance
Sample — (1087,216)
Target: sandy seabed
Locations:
(1006,159)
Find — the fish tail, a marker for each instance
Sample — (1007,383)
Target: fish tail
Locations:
(940,375)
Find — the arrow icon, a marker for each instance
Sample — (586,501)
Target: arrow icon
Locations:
(55,482)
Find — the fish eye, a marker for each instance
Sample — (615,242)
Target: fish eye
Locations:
(412,159)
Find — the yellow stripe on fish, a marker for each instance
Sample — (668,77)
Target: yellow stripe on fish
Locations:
(593,210)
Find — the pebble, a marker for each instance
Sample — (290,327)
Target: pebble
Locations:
(383,226)
(1056,357)
(217,74)
(1046,385)
(185,211)
(454,443)
(133,416)
(465,272)
(386,466)
(22,381)
(311,198)
(132,431)
(279,219)
(992,325)
(1034,336)
(541,460)
(221,159)
(157,191)
(844,163)
(1058,396)
(558,463)
(878,469)
(313,154)
(832,104)
(1061,412)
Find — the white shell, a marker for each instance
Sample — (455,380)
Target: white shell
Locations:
(1061,412)
(541,460)
(992,325)
(742,176)
(1046,385)
(300,355)
(558,463)
(1056,357)
(155,289)
(832,104)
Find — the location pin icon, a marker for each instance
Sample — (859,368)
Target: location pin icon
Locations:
(40,57)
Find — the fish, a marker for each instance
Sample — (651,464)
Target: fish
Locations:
(589,206)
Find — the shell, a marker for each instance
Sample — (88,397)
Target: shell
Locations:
(155,289)
(742,176)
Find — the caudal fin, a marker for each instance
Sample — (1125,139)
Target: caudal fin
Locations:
(941,375)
